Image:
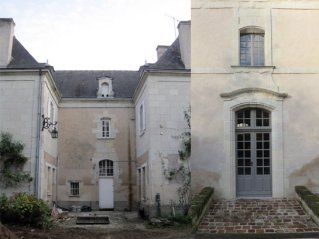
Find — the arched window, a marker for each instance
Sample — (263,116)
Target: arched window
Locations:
(252,51)
(253,152)
(105,90)
(106,168)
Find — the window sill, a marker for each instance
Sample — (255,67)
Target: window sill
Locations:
(105,138)
(74,196)
(241,69)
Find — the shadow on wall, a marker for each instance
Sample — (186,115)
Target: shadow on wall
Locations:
(307,176)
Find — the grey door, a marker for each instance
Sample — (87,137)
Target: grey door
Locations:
(253,153)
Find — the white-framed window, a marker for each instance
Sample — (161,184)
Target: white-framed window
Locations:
(105,127)
(106,168)
(252,52)
(74,188)
(142,125)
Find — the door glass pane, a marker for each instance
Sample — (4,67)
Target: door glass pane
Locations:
(240,170)
(267,170)
(247,171)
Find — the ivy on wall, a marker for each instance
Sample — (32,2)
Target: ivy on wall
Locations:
(12,161)
(182,174)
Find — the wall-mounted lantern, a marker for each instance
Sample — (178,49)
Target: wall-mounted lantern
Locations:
(47,124)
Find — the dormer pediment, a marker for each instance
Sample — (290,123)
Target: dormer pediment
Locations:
(105,87)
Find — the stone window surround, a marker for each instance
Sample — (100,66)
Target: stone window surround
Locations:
(246,27)
(105,81)
(254,98)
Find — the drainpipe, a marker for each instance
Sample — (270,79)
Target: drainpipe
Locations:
(37,181)
(130,193)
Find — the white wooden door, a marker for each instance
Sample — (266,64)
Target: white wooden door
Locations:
(106,198)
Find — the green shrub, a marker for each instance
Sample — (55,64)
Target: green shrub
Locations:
(24,209)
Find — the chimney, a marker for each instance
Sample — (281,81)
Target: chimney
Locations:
(160,49)
(6,39)
(184,32)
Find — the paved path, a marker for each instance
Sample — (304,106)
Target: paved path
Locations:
(257,216)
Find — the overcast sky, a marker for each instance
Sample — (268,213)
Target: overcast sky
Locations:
(95,34)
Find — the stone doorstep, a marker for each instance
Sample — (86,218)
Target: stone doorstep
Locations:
(257,216)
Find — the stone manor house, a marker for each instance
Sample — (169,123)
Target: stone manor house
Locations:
(249,70)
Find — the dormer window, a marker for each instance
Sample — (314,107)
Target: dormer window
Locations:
(105,87)
(105,90)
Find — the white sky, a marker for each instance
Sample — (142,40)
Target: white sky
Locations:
(95,34)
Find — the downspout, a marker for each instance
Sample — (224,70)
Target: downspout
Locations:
(130,191)
(37,181)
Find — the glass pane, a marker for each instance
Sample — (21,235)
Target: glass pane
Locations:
(259,145)
(240,153)
(259,122)
(259,170)
(247,162)
(266,153)
(266,136)
(247,145)
(267,170)
(240,162)
(240,137)
(259,153)
(259,113)
(240,170)
(266,122)
(247,137)
(240,145)
(266,162)
(247,153)
(259,137)
(266,145)
(247,171)
(259,162)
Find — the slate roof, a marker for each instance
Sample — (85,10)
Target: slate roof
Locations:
(171,59)
(84,84)
(21,58)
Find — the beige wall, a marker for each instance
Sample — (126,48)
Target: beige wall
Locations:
(81,148)
(287,87)
(166,95)
(18,101)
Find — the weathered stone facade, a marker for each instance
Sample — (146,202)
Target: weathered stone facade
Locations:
(285,85)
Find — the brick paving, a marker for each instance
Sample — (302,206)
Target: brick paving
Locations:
(257,216)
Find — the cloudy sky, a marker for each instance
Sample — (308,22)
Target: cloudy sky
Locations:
(95,34)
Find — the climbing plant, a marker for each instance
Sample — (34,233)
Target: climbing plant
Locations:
(182,174)
(12,161)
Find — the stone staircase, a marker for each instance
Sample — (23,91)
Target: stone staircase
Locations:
(257,216)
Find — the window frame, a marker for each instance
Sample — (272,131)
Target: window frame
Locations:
(142,121)
(106,168)
(74,188)
(105,127)
(254,54)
